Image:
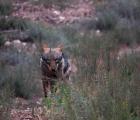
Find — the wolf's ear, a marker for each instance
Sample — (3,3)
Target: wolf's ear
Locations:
(45,47)
(60,46)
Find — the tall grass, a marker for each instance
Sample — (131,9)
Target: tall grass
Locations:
(106,82)
(104,87)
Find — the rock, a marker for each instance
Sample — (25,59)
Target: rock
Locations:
(61,18)
(24,44)
(98,32)
(34,47)
(96,19)
(56,12)
(7,43)
(16,42)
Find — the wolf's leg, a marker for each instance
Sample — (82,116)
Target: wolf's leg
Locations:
(44,87)
(44,83)
(48,85)
(53,86)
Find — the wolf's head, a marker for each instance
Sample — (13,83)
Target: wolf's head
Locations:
(52,57)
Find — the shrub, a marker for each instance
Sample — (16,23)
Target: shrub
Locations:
(32,31)
(20,73)
(126,32)
(5,7)
(124,8)
(111,12)
(40,34)
(106,20)
(1,40)
(127,8)
(12,23)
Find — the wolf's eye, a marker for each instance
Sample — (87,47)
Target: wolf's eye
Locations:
(48,61)
(58,60)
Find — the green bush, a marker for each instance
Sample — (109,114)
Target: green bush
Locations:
(12,23)
(41,34)
(111,12)
(32,31)
(127,8)
(20,72)
(5,7)
(1,40)
(107,20)
(127,32)
(121,18)
(123,8)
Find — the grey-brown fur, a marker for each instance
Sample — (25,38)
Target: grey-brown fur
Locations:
(54,66)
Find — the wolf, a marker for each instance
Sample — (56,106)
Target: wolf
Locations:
(54,66)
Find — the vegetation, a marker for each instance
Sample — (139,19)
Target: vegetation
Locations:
(12,23)
(19,83)
(104,88)
(5,7)
(1,40)
(121,17)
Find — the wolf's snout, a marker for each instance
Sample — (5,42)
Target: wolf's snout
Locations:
(53,70)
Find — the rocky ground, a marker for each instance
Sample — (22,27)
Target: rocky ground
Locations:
(74,13)
(28,110)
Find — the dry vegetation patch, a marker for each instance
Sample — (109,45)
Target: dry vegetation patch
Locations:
(53,15)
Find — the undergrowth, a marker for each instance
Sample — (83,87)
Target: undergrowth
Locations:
(104,88)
